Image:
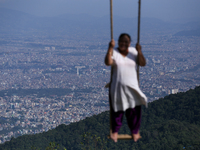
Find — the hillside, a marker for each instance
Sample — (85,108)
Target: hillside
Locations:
(19,24)
(188,33)
(169,123)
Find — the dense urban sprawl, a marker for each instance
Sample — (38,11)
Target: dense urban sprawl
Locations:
(77,66)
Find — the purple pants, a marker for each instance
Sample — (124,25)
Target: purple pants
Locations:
(133,116)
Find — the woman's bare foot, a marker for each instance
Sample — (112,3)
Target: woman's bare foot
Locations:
(114,136)
(136,137)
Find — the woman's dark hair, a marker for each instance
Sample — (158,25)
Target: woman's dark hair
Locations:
(124,34)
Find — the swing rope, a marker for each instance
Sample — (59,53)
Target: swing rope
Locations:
(123,136)
(111,19)
(139,8)
(138,37)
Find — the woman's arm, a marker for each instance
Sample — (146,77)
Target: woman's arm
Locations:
(108,57)
(141,61)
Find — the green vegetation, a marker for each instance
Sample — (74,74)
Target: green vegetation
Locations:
(52,146)
(92,142)
(169,123)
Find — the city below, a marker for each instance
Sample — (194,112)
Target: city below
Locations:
(46,82)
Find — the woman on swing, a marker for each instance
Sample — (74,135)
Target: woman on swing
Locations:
(124,92)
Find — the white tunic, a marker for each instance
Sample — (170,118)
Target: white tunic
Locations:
(124,89)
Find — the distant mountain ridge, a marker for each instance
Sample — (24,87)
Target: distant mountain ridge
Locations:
(169,123)
(188,33)
(13,21)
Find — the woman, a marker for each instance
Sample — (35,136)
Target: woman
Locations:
(124,92)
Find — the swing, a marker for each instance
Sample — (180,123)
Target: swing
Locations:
(123,136)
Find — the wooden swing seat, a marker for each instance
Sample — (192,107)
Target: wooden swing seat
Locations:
(123,137)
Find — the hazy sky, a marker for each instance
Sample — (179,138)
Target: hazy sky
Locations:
(162,9)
